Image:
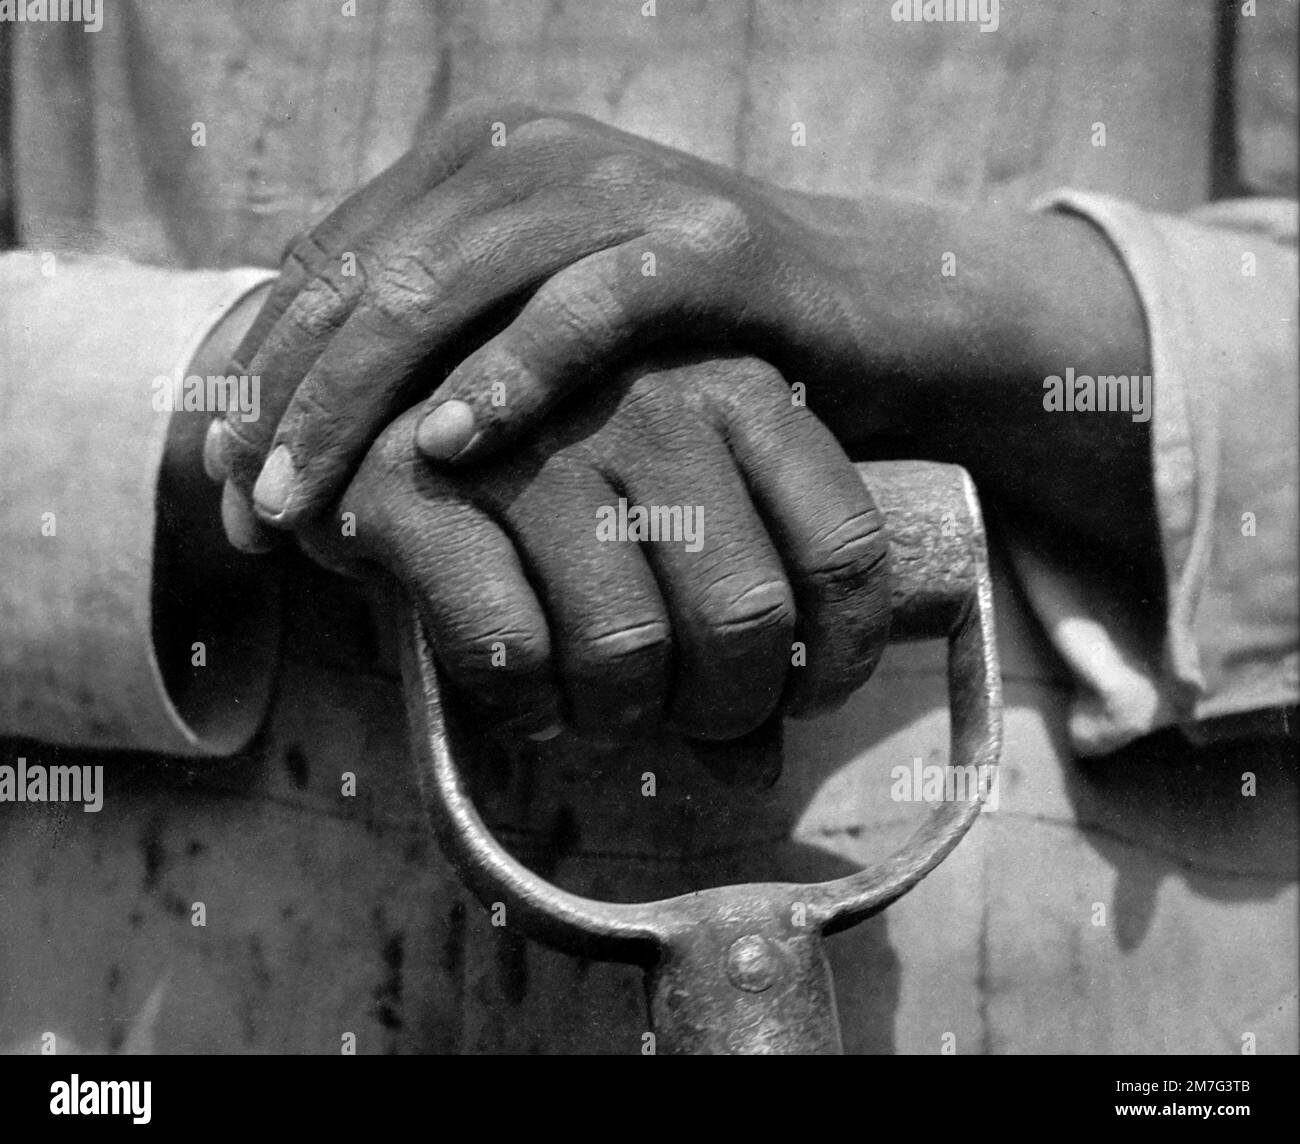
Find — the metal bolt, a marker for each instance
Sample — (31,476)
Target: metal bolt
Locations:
(752,963)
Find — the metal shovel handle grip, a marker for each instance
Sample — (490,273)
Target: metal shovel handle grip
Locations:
(744,963)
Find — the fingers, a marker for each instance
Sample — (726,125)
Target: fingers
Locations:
(609,624)
(421,305)
(702,275)
(321,306)
(232,452)
(313,258)
(732,608)
(314,253)
(241,525)
(830,535)
(486,623)
(315,265)
(214,462)
(728,596)
(437,155)
(502,387)
(488,628)
(579,325)
(687,614)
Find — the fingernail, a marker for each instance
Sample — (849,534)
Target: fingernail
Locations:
(243,529)
(275,482)
(545,736)
(446,431)
(214,447)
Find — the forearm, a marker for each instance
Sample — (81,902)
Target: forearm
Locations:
(955,363)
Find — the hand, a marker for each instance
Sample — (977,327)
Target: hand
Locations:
(502,278)
(544,619)
(535,265)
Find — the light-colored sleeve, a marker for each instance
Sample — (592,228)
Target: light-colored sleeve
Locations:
(1219,292)
(81,445)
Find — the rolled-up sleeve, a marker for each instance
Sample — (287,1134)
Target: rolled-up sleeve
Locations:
(81,445)
(1219,292)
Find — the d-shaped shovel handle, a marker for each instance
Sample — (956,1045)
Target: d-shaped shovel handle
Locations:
(741,969)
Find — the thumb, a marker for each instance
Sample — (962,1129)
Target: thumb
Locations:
(579,326)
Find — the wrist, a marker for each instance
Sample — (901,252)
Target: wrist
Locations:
(1031,296)
(959,315)
(924,298)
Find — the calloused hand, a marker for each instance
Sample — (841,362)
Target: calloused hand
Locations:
(548,612)
(488,282)
(508,259)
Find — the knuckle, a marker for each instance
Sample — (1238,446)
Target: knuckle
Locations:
(753,613)
(401,292)
(413,270)
(243,451)
(311,421)
(306,252)
(621,169)
(716,226)
(628,648)
(317,311)
(242,438)
(582,302)
(545,130)
(392,455)
(521,653)
(749,374)
(852,552)
(756,371)
(502,657)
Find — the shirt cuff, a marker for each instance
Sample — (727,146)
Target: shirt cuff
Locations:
(84,348)
(1218,289)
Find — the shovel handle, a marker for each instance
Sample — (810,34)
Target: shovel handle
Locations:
(706,952)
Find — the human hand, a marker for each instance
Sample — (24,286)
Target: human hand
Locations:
(530,267)
(545,617)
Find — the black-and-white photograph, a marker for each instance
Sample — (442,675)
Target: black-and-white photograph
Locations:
(649,527)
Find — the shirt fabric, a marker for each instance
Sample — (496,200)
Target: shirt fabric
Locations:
(82,344)
(1218,289)
(332,913)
